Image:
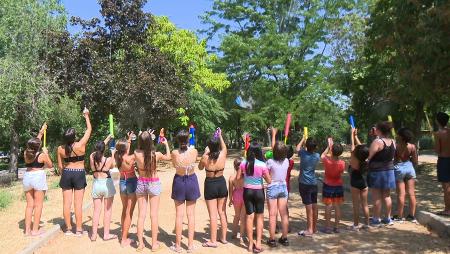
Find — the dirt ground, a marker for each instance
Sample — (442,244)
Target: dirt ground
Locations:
(401,238)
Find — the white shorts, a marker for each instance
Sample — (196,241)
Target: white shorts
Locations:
(36,180)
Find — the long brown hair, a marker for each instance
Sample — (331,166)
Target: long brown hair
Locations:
(99,149)
(121,150)
(33,146)
(145,143)
(69,138)
(183,140)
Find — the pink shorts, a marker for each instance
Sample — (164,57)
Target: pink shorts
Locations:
(238,197)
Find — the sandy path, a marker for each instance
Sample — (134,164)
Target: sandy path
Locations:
(403,238)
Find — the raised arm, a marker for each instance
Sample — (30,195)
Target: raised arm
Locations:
(301,144)
(274,135)
(325,153)
(129,134)
(201,164)
(91,161)
(41,131)
(87,133)
(107,139)
(165,157)
(223,146)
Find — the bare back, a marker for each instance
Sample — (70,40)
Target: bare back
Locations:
(78,149)
(443,142)
(214,168)
(184,162)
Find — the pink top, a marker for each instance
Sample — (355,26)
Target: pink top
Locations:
(256,180)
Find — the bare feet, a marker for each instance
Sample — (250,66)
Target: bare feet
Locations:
(126,242)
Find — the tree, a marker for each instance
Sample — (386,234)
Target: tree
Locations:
(116,70)
(272,52)
(29,97)
(193,62)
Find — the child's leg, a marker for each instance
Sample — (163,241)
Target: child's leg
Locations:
(356,203)
(376,196)
(282,207)
(315,217)
(309,219)
(29,211)
(365,204)
(337,215)
(412,196)
(328,215)
(242,221)
(236,219)
(273,211)
(38,204)
(400,198)
(249,225)
(387,202)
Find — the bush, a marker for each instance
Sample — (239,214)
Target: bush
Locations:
(5,199)
(425,143)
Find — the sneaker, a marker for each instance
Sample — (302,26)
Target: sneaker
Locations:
(354,228)
(411,218)
(272,243)
(387,221)
(398,219)
(375,222)
(283,241)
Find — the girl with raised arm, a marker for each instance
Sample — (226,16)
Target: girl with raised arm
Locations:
(357,169)
(103,190)
(73,177)
(148,185)
(185,189)
(213,161)
(128,183)
(35,182)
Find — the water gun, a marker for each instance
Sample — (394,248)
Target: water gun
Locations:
(352,121)
(268,155)
(217,133)
(286,127)
(393,129)
(246,143)
(112,144)
(45,137)
(192,135)
(161,136)
(305,132)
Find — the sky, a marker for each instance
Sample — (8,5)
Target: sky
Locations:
(184,13)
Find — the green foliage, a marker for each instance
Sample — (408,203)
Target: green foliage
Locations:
(6,199)
(273,51)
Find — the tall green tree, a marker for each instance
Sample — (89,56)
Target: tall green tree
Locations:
(29,97)
(272,52)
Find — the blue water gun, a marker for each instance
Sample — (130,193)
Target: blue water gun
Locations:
(192,135)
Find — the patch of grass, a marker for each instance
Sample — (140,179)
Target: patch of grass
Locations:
(53,185)
(6,199)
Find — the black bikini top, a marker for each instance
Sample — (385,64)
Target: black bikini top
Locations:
(35,163)
(74,158)
(101,170)
(214,171)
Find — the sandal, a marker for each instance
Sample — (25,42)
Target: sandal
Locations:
(191,249)
(271,242)
(111,237)
(39,233)
(140,249)
(68,232)
(80,233)
(158,248)
(175,249)
(223,241)
(257,250)
(209,245)
(283,241)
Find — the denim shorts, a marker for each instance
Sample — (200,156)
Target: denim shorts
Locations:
(128,186)
(383,179)
(276,191)
(404,171)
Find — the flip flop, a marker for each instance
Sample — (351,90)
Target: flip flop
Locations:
(39,233)
(80,233)
(160,247)
(68,232)
(111,237)
(191,249)
(209,245)
(304,234)
(128,244)
(140,249)
(257,250)
(223,242)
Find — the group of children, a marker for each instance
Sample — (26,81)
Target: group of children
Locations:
(381,166)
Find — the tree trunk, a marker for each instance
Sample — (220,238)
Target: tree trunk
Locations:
(14,151)
(418,118)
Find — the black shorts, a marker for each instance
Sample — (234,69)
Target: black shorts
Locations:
(357,180)
(73,179)
(254,201)
(215,187)
(443,169)
(308,193)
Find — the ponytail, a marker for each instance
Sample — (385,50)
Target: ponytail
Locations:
(183,140)
(98,153)
(145,143)
(69,139)
(33,146)
(254,153)
(121,149)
